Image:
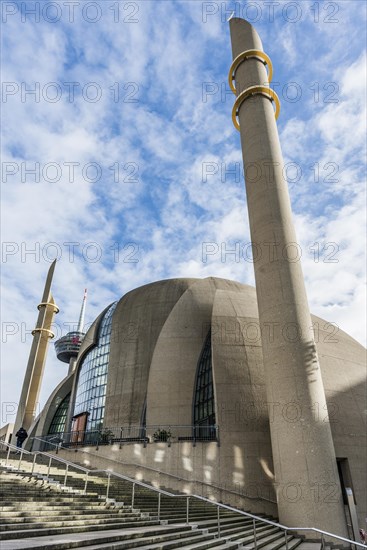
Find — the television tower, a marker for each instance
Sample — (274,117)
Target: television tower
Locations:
(37,357)
(67,347)
(302,444)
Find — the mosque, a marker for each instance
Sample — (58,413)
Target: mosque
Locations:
(215,387)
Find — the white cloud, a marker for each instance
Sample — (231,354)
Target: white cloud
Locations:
(165,211)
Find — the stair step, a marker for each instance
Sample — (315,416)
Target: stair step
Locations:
(64,515)
(5,528)
(200,542)
(90,538)
(25,506)
(261,540)
(177,540)
(41,515)
(292,544)
(17,534)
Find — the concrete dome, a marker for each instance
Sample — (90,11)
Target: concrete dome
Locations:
(158,331)
(157,337)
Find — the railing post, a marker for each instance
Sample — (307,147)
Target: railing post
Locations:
(20,459)
(254,527)
(322,541)
(7,456)
(49,467)
(121,430)
(86,482)
(66,474)
(159,506)
(34,463)
(108,485)
(187,509)
(218,520)
(133,497)
(286,539)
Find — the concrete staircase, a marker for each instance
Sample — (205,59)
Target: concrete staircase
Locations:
(41,513)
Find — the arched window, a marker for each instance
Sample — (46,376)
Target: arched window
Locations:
(204,412)
(92,381)
(57,425)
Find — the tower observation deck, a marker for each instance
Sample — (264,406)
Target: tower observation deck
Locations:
(67,347)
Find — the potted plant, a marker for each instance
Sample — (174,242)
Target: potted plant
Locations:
(162,435)
(105,437)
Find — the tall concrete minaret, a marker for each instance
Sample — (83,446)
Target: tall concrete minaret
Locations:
(303,451)
(67,347)
(27,408)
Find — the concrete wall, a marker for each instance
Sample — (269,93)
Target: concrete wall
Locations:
(6,432)
(344,375)
(241,394)
(178,467)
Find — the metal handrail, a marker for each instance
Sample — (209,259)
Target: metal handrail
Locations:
(49,455)
(17,449)
(141,483)
(159,432)
(89,471)
(63,460)
(167,474)
(188,496)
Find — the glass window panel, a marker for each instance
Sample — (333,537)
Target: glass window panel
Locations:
(57,425)
(203,395)
(92,382)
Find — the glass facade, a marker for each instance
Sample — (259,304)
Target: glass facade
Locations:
(204,413)
(92,381)
(57,425)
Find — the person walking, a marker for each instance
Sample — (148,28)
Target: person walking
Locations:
(21,436)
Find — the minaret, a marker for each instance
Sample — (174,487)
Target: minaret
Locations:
(67,347)
(33,376)
(303,450)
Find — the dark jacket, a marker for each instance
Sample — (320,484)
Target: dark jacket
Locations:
(21,434)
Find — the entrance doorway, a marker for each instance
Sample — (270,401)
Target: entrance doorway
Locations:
(78,427)
(349,498)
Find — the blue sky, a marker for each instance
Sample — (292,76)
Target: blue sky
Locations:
(138,165)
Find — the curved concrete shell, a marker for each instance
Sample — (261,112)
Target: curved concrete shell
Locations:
(158,335)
